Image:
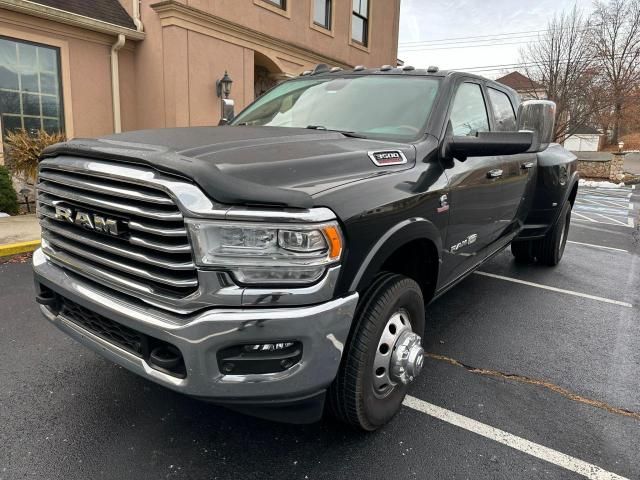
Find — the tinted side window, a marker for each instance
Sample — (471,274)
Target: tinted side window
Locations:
(502,111)
(469,113)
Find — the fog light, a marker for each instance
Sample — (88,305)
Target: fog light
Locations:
(267,347)
(259,358)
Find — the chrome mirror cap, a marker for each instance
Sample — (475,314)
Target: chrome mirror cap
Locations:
(228,113)
(538,116)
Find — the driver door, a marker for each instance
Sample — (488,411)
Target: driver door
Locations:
(475,187)
(519,180)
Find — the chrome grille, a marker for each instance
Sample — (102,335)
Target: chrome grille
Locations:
(151,258)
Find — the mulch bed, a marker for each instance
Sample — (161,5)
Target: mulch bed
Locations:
(20,258)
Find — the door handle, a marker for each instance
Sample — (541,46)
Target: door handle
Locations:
(496,173)
(527,166)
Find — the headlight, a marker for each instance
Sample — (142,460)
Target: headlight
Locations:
(263,253)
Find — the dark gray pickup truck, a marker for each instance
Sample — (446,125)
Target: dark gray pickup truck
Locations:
(282,263)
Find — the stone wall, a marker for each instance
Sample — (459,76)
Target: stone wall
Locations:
(611,168)
(617,167)
(595,169)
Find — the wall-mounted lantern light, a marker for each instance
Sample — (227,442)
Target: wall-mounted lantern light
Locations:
(223,89)
(223,86)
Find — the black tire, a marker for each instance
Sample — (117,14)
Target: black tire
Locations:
(351,396)
(523,251)
(551,248)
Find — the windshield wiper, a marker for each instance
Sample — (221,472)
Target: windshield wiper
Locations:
(346,133)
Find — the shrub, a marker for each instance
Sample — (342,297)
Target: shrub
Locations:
(8,197)
(23,149)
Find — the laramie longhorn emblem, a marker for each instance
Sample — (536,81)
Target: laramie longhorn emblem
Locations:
(89,221)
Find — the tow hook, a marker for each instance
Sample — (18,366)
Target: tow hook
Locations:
(48,298)
(166,357)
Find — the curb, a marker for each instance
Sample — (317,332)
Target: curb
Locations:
(20,247)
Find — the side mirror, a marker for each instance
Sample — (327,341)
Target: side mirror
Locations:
(539,117)
(486,144)
(228,113)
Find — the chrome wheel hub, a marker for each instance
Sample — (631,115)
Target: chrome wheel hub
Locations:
(399,357)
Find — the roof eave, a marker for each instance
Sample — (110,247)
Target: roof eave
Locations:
(62,16)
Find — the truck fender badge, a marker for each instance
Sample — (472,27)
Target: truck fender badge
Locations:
(471,239)
(384,158)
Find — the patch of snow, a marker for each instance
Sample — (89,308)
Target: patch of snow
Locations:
(604,184)
(3,215)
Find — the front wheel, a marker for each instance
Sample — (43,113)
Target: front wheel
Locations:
(383,355)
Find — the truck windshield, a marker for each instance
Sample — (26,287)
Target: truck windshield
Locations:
(385,106)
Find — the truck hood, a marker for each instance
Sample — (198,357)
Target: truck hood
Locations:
(246,165)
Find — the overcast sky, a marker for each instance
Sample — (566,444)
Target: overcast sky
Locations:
(445,23)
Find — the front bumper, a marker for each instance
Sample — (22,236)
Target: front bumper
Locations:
(322,329)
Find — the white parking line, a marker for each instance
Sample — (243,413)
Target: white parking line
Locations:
(629,220)
(607,194)
(554,289)
(603,191)
(584,216)
(547,454)
(618,222)
(605,203)
(577,223)
(598,246)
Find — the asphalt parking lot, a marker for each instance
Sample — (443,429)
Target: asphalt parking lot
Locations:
(531,372)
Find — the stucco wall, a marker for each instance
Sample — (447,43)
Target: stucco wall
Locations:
(168,79)
(205,67)
(190,44)
(85,72)
(149,73)
(192,64)
(294,26)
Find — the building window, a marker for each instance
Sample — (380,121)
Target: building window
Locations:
(30,87)
(322,13)
(360,22)
(278,3)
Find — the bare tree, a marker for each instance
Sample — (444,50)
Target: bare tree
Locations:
(562,65)
(616,43)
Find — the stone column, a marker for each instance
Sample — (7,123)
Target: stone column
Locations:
(616,173)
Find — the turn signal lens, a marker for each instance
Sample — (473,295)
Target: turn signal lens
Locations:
(335,241)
